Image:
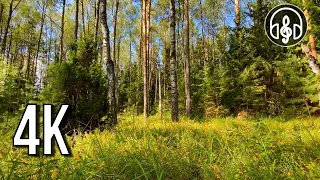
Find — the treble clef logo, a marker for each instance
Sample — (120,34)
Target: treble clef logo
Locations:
(285,31)
(286,25)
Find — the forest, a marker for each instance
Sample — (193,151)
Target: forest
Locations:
(161,89)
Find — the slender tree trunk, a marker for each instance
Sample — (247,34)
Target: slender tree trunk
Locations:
(165,64)
(76,27)
(115,32)
(114,47)
(148,29)
(141,39)
(9,58)
(83,19)
(43,17)
(156,85)
(145,63)
(1,19)
(204,44)
(6,30)
(237,20)
(173,70)
(149,72)
(110,66)
(187,62)
(97,22)
(62,31)
(88,22)
(160,94)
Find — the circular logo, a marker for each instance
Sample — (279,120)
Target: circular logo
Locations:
(286,25)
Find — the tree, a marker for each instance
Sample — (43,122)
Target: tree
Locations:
(173,68)
(44,8)
(145,61)
(311,52)
(187,61)
(83,19)
(237,13)
(112,111)
(76,27)
(114,46)
(6,30)
(97,16)
(62,30)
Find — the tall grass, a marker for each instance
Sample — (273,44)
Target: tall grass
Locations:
(159,149)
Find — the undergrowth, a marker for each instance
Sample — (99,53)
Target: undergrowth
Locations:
(160,149)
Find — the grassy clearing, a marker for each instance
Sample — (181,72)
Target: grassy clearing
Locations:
(160,149)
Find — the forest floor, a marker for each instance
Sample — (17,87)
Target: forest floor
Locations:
(160,149)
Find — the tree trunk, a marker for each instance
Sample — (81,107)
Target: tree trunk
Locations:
(187,62)
(110,66)
(115,32)
(97,22)
(237,20)
(83,20)
(62,30)
(173,70)
(145,63)
(310,53)
(165,64)
(114,47)
(1,19)
(76,27)
(160,94)
(141,40)
(6,30)
(40,36)
(312,41)
(313,62)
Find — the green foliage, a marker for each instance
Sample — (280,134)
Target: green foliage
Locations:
(14,90)
(79,82)
(260,76)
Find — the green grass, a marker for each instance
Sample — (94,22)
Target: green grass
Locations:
(160,149)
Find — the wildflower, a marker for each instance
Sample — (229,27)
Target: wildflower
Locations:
(54,173)
(216,167)
(77,156)
(101,165)
(255,157)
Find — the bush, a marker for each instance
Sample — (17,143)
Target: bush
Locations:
(81,83)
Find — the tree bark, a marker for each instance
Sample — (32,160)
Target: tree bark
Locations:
(145,63)
(141,40)
(97,22)
(165,63)
(62,31)
(313,62)
(83,20)
(110,66)
(312,41)
(237,20)
(173,70)
(160,94)
(1,18)
(187,62)
(76,27)
(6,30)
(311,52)
(40,36)
(114,47)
